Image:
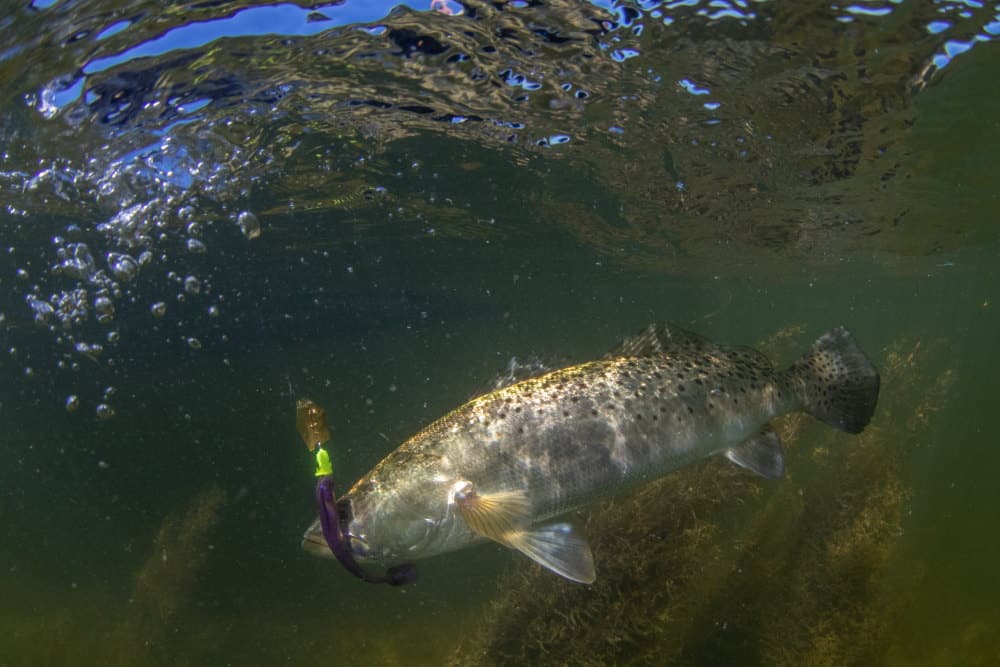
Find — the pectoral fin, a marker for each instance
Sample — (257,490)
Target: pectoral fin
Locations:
(504,517)
(492,515)
(760,454)
(558,548)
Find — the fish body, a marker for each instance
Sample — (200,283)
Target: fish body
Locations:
(504,464)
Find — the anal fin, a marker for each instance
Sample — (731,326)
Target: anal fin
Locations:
(761,454)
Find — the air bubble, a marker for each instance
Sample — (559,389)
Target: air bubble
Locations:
(72,403)
(43,310)
(105,412)
(196,247)
(194,343)
(104,308)
(159,309)
(122,266)
(77,261)
(89,350)
(192,285)
(248,224)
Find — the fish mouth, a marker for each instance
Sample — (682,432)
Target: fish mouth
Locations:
(334,518)
(313,542)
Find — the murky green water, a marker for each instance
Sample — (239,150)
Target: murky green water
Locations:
(211,208)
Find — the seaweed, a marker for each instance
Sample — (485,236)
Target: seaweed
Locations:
(164,583)
(710,565)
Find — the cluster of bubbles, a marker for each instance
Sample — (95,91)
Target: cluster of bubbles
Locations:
(93,277)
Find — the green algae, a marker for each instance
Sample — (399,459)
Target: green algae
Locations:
(164,583)
(99,627)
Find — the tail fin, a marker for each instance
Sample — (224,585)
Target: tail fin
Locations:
(836,382)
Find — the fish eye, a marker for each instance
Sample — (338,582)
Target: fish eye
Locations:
(345,511)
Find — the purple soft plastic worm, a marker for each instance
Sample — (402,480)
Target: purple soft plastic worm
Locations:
(334,535)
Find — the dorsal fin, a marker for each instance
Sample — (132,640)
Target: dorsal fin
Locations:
(518,370)
(661,338)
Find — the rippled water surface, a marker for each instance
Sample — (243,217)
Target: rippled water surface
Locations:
(210,208)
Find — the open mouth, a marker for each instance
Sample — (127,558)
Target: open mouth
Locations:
(314,544)
(333,518)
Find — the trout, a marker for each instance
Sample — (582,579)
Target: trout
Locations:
(504,466)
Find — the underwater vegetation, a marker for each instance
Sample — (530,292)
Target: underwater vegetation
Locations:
(710,565)
(145,627)
(164,583)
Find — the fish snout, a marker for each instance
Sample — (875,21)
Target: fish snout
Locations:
(313,542)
